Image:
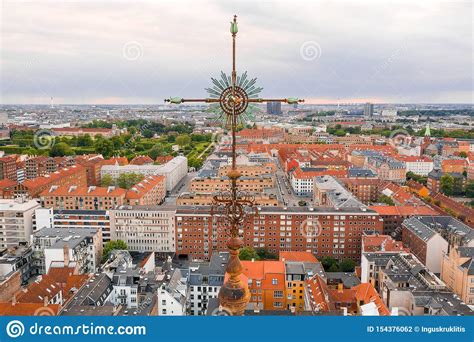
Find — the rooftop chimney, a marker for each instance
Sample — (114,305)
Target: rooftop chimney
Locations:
(66,255)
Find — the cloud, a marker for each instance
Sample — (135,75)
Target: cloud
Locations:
(396,51)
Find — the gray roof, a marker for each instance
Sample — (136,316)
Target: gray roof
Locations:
(209,273)
(466,252)
(379,259)
(348,279)
(355,172)
(469,265)
(90,294)
(446,302)
(447,225)
(71,237)
(294,267)
(287,210)
(405,268)
(419,228)
(207,173)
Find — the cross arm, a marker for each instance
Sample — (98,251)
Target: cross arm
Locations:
(178,100)
(290,100)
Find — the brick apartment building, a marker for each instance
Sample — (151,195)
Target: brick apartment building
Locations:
(215,184)
(41,165)
(393,216)
(8,168)
(74,175)
(365,190)
(150,191)
(198,235)
(82,198)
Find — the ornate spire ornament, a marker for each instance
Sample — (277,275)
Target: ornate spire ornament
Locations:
(232,97)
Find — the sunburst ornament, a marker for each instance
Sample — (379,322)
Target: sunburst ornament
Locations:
(245,88)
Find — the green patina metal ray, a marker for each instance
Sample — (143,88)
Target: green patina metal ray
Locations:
(225,81)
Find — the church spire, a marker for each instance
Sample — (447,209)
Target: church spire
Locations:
(427,130)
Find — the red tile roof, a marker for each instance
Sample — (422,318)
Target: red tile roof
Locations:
(454,162)
(403,210)
(300,174)
(52,177)
(84,191)
(297,256)
(28,309)
(5,183)
(141,160)
(80,129)
(381,243)
(325,299)
(140,189)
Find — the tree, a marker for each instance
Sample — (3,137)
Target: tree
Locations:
(347,265)
(470,189)
(328,262)
(183,140)
(117,141)
(85,141)
(113,245)
(385,199)
(463,154)
(104,147)
(60,150)
(265,254)
(132,130)
(447,184)
(333,268)
(148,133)
(248,253)
(31,151)
(107,180)
(127,180)
(156,151)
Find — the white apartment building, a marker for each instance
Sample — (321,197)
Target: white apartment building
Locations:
(144,229)
(419,166)
(172,296)
(302,184)
(174,170)
(205,280)
(83,246)
(16,221)
(125,287)
(73,219)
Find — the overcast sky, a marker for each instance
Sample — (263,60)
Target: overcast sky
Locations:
(117,51)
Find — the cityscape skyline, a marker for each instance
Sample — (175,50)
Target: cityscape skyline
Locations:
(92,58)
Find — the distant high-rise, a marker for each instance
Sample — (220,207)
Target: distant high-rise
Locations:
(368,109)
(274,108)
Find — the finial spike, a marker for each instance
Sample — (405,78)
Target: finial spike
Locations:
(233,26)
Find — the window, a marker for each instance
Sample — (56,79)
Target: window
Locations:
(277,304)
(274,281)
(278,294)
